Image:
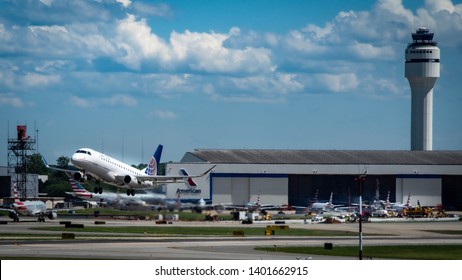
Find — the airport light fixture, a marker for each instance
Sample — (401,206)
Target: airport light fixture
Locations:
(360,179)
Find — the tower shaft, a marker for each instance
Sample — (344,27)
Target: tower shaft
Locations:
(422,113)
(422,69)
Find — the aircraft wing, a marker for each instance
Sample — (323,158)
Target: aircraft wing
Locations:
(69,172)
(171,179)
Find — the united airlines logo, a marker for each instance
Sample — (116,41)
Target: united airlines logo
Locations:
(151,167)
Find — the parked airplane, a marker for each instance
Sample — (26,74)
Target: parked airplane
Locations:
(114,199)
(34,208)
(401,206)
(105,168)
(318,206)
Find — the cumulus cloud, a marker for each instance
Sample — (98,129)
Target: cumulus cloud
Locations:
(92,102)
(37,80)
(164,114)
(203,52)
(79,102)
(115,42)
(11,100)
(124,3)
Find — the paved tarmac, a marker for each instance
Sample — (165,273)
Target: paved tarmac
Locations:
(102,246)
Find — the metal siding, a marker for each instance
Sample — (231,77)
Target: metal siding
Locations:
(221,190)
(271,190)
(425,190)
(349,157)
(240,192)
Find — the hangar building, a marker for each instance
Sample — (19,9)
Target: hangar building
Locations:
(295,177)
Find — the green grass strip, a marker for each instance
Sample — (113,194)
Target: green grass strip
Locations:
(197,231)
(412,252)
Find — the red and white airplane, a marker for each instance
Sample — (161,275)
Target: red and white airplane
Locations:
(34,208)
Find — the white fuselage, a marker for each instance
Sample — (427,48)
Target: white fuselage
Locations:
(107,168)
(30,208)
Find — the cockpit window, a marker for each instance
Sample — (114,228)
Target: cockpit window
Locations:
(83,152)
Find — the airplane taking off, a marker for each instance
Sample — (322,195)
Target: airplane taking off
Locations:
(35,208)
(105,168)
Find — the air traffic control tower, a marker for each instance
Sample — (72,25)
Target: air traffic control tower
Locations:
(422,69)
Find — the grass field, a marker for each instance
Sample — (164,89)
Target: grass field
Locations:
(412,252)
(198,231)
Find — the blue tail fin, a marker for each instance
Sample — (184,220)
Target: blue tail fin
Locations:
(151,169)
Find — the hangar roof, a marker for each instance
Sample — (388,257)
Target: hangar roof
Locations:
(325,157)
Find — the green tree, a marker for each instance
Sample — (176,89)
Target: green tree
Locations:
(63,161)
(35,165)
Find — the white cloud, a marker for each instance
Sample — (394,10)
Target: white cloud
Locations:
(37,80)
(124,3)
(119,99)
(331,58)
(11,100)
(370,52)
(79,102)
(198,51)
(345,82)
(164,114)
(47,2)
(138,43)
(115,100)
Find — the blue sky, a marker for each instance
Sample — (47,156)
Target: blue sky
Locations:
(123,76)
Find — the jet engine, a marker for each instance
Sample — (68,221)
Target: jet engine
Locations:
(128,179)
(80,177)
(52,215)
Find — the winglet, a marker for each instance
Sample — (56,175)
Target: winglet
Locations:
(210,169)
(45,162)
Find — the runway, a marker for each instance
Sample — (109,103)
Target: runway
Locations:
(104,246)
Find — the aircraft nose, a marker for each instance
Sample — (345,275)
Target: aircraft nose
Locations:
(76,158)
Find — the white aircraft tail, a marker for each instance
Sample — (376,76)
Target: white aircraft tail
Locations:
(387,202)
(408,203)
(15,194)
(330,199)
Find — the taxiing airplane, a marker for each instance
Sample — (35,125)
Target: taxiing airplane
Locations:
(105,168)
(34,208)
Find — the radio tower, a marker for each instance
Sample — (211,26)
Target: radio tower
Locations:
(422,69)
(18,152)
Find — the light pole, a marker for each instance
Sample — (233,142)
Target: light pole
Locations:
(361,179)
